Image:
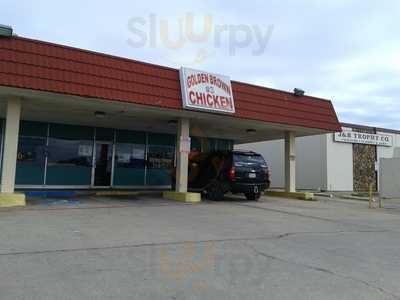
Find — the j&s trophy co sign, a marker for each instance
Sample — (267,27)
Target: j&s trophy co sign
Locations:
(363,138)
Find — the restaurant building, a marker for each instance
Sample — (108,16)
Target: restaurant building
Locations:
(76,119)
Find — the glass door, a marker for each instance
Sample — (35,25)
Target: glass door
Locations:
(102,164)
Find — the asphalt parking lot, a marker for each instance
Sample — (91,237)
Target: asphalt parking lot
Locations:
(148,248)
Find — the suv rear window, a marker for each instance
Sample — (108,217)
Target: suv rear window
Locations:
(248,159)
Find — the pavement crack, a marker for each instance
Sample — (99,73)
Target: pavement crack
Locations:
(322,270)
(177,243)
(297,214)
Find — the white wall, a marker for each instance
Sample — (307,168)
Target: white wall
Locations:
(310,161)
(339,165)
(389,180)
(321,163)
(386,152)
(273,153)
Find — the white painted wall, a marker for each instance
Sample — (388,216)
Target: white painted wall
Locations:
(273,152)
(321,163)
(389,179)
(310,161)
(339,165)
(386,152)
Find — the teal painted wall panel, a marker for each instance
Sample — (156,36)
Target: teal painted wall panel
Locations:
(133,137)
(158,177)
(30,159)
(33,129)
(128,176)
(104,134)
(29,174)
(71,132)
(195,143)
(68,175)
(162,139)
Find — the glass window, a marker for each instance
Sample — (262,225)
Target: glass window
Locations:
(70,153)
(130,154)
(195,144)
(31,154)
(31,157)
(160,157)
(129,164)
(224,145)
(211,144)
(160,161)
(246,159)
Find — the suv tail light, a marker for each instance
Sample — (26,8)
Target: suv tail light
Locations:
(232,173)
(267,172)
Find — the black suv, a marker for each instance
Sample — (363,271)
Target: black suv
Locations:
(217,173)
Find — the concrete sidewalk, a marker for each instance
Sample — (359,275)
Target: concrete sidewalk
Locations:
(148,248)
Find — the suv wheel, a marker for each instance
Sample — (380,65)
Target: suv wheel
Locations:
(215,192)
(252,196)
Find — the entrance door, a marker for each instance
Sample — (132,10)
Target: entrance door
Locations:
(103,164)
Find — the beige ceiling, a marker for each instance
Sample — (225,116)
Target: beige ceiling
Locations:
(49,107)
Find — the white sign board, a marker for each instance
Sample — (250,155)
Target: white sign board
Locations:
(85,150)
(207,92)
(363,138)
(184,144)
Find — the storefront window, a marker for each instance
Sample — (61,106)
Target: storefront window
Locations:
(211,144)
(195,144)
(30,161)
(160,159)
(31,155)
(70,153)
(129,164)
(140,158)
(224,145)
(130,154)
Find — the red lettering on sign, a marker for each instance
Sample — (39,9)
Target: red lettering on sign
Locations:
(192,98)
(209,100)
(216,101)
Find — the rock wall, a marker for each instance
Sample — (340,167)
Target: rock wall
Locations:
(364,157)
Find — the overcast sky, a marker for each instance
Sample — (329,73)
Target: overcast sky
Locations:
(346,51)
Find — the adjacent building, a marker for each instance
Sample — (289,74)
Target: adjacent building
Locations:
(341,161)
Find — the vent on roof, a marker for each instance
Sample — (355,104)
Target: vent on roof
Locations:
(6,31)
(298,92)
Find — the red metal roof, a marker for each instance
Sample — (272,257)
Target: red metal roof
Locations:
(37,65)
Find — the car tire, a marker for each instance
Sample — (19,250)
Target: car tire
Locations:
(252,196)
(215,192)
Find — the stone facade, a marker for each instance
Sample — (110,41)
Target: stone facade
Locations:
(364,157)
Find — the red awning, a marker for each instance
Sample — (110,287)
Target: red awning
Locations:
(37,65)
